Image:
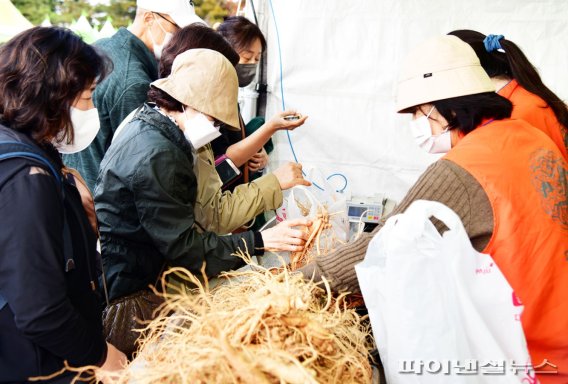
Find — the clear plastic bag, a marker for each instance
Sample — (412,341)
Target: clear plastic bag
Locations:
(322,203)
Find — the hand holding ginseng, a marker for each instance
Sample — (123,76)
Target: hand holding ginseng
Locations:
(289,175)
(290,235)
(277,122)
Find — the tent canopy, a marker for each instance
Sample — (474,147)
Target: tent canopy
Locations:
(107,30)
(12,21)
(83,28)
(338,62)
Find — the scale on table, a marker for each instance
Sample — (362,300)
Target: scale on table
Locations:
(365,213)
(366,209)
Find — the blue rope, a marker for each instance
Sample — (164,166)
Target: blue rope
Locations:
(284,105)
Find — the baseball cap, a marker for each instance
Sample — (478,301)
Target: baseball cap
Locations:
(440,68)
(206,81)
(182,12)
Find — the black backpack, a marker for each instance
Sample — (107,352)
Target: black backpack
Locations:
(15,149)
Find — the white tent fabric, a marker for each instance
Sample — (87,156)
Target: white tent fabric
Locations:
(84,29)
(46,22)
(12,21)
(340,62)
(107,30)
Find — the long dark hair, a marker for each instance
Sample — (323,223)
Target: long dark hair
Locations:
(466,113)
(241,33)
(195,36)
(513,63)
(42,72)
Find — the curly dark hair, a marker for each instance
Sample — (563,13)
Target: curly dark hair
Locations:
(241,33)
(42,72)
(191,37)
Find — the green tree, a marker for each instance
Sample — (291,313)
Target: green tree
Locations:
(34,10)
(121,12)
(60,12)
(212,11)
(64,12)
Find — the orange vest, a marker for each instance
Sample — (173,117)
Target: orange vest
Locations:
(534,110)
(525,177)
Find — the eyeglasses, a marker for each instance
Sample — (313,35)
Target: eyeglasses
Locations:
(169,21)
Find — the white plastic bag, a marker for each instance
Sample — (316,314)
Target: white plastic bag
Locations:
(440,311)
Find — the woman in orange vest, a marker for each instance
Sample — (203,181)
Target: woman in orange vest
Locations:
(506,180)
(517,79)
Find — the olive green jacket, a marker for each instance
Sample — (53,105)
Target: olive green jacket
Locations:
(223,212)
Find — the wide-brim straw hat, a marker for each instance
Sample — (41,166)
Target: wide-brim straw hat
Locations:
(440,68)
(207,82)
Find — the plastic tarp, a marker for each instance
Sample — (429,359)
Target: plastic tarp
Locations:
(12,21)
(340,62)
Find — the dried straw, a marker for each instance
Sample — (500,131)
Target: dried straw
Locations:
(258,327)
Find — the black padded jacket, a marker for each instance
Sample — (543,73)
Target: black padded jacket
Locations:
(53,310)
(144,198)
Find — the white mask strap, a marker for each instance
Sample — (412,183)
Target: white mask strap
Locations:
(159,25)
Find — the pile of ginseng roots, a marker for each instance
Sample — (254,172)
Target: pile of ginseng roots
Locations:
(259,327)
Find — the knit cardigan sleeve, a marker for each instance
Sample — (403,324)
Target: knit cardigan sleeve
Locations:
(444,182)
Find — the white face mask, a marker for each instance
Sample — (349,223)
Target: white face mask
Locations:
(422,133)
(158,48)
(199,131)
(86,125)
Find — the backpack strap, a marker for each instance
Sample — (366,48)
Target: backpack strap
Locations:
(12,149)
(16,149)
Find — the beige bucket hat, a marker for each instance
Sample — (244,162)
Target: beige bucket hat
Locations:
(440,68)
(206,81)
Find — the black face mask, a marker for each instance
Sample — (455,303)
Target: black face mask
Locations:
(246,73)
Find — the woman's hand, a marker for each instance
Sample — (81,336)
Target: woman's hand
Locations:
(115,361)
(259,161)
(285,237)
(290,175)
(277,121)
